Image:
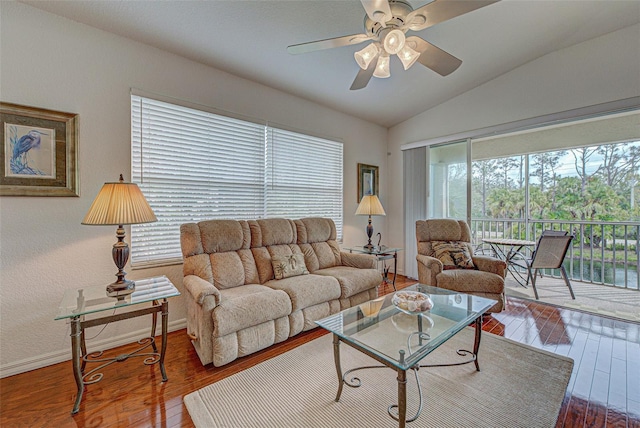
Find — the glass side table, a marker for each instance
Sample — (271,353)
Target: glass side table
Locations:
(93,300)
(382,253)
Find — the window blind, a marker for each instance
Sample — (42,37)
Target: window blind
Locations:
(194,165)
(304,177)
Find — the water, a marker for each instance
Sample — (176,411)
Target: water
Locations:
(632,273)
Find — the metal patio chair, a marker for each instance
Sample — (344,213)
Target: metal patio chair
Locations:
(548,254)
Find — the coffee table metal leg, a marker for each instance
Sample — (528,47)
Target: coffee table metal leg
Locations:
(476,343)
(336,359)
(402,398)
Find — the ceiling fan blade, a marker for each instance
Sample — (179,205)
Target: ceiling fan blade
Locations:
(433,57)
(336,42)
(442,10)
(363,77)
(377,10)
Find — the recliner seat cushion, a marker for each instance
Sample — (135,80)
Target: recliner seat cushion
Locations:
(307,290)
(248,306)
(470,281)
(352,280)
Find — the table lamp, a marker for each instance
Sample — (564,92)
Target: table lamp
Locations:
(118,204)
(370,205)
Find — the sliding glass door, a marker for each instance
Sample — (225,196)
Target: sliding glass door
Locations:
(448,180)
(436,183)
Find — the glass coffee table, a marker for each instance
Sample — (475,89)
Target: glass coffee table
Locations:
(400,340)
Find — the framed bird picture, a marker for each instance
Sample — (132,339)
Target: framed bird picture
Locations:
(38,154)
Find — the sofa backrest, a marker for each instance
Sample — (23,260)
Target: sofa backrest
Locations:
(441,230)
(219,251)
(229,253)
(273,237)
(317,240)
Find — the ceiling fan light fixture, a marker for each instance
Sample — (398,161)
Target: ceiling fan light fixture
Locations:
(394,41)
(408,56)
(365,56)
(382,67)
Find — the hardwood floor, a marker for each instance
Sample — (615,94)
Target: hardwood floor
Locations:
(604,390)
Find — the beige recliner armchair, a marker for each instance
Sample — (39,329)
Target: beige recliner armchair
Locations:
(446,260)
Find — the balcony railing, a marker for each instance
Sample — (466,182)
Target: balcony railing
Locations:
(601,252)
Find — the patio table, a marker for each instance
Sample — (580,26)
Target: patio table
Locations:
(498,246)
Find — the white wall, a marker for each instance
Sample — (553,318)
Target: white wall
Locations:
(600,70)
(62,65)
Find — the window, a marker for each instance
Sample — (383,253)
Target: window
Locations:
(304,177)
(194,165)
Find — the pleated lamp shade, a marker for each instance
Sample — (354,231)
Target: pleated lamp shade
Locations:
(119,204)
(370,205)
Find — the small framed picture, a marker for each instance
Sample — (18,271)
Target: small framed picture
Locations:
(38,152)
(367,180)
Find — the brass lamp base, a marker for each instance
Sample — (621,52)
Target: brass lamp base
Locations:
(121,289)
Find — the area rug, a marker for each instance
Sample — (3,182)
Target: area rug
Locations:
(518,386)
(598,299)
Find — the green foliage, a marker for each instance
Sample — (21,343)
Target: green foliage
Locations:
(608,191)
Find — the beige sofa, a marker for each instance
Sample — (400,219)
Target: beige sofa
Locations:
(235,304)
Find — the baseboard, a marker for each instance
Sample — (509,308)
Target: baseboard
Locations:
(44,360)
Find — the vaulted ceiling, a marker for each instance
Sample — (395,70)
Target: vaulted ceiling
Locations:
(250,38)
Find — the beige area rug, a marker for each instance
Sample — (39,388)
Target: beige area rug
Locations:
(599,299)
(518,386)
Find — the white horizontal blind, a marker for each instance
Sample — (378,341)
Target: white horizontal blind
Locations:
(194,165)
(191,165)
(304,176)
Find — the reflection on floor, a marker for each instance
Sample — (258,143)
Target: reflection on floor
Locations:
(601,299)
(605,384)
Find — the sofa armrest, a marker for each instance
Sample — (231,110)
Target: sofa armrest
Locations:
(200,289)
(361,261)
(428,268)
(490,264)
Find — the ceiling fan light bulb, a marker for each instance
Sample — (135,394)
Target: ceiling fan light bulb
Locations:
(382,68)
(365,56)
(408,56)
(394,41)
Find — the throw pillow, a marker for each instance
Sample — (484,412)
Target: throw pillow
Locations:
(453,254)
(288,266)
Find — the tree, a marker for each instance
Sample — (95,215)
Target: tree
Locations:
(483,177)
(582,157)
(503,167)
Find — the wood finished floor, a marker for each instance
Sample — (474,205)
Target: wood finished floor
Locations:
(604,390)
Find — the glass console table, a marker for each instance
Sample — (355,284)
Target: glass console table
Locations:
(382,253)
(76,304)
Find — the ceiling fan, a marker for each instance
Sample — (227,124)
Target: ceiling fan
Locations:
(385,25)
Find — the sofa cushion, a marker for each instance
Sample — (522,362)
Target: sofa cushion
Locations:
(219,236)
(352,280)
(470,281)
(453,254)
(317,241)
(247,306)
(227,269)
(328,254)
(315,229)
(273,231)
(307,290)
(288,266)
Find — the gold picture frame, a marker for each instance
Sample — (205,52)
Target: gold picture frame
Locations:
(367,180)
(39,152)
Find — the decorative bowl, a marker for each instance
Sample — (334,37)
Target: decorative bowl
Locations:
(407,323)
(411,302)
